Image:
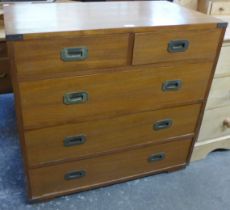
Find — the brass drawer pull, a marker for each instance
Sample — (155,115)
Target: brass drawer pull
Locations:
(163,124)
(74,53)
(3,75)
(74,175)
(171,85)
(178,46)
(75,98)
(157,157)
(74,140)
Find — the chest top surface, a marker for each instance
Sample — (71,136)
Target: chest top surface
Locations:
(27,19)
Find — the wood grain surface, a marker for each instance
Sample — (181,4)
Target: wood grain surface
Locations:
(99,17)
(47,145)
(111,94)
(36,58)
(106,169)
(153,47)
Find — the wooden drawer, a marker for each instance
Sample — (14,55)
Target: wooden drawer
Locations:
(213,124)
(161,46)
(44,57)
(50,181)
(5,82)
(53,144)
(220,93)
(111,94)
(223,65)
(3,50)
(220,8)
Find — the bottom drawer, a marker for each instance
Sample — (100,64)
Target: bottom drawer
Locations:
(216,123)
(5,82)
(84,174)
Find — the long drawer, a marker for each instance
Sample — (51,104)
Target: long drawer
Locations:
(220,93)
(5,81)
(84,174)
(89,138)
(82,98)
(72,54)
(216,123)
(173,45)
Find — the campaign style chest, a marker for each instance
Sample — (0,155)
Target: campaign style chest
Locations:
(108,92)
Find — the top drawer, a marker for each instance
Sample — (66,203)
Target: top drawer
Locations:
(74,54)
(174,45)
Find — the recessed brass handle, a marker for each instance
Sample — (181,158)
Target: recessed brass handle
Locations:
(162,124)
(3,75)
(175,46)
(74,175)
(156,157)
(74,53)
(75,98)
(172,85)
(74,140)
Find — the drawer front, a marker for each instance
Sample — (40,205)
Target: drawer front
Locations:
(223,65)
(74,54)
(215,123)
(173,45)
(220,93)
(220,8)
(3,50)
(5,82)
(77,99)
(81,175)
(78,140)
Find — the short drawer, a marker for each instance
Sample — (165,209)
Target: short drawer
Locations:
(173,45)
(83,98)
(71,54)
(215,123)
(223,65)
(89,173)
(5,82)
(220,93)
(3,50)
(89,138)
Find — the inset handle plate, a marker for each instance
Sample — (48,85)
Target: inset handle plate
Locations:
(74,53)
(175,46)
(162,124)
(75,98)
(171,85)
(74,175)
(74,140)
(157,157)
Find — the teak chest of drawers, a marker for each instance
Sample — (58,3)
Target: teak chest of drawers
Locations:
(111,92)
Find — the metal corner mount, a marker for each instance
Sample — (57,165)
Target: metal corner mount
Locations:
(222,25)
(14,37)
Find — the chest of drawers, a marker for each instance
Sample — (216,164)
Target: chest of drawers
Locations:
(215,133)
(109,93)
